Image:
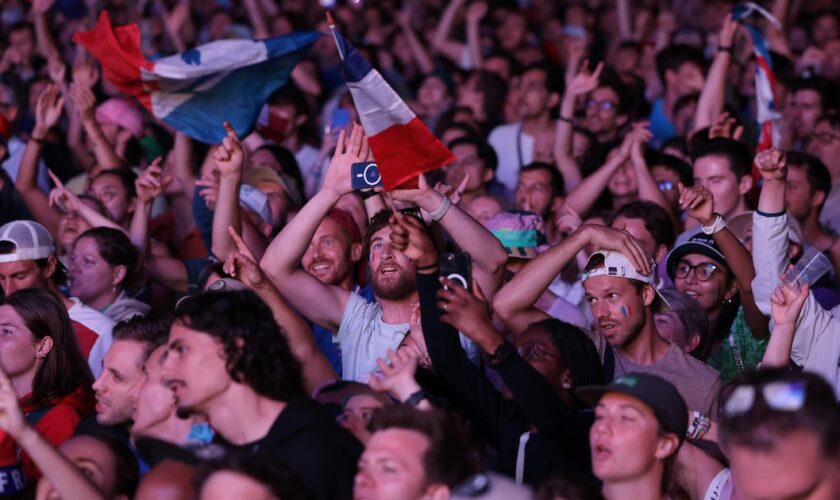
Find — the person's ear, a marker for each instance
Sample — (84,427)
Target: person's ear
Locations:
(437,492)
(648,295)
(693,342)
(661,252)
(489,174)
(817,199)
(666,446)
(566,380)
(745,184)
(119,275)
(132,204)
(732,290)
(670,78)
(355,252)
(553,99)
(44,347)
(49,269)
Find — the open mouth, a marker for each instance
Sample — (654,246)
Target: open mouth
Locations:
(320,267)
(388,270)
(601,453)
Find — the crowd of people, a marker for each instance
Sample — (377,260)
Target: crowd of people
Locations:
(593,300)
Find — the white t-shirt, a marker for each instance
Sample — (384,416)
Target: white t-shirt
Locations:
(15,149)
(93,333)
(515,149)
(363,337)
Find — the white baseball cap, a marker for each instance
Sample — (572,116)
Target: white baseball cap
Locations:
(31,241)
(616,264)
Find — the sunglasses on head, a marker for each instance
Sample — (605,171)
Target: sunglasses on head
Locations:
(785,396)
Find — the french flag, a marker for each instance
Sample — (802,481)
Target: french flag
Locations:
(401,143)
(196,91)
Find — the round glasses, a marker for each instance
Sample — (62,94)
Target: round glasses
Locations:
(702,271)
(533,350)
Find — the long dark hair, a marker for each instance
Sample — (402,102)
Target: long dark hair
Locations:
(63,370)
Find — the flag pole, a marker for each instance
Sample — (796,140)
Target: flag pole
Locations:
(331,24)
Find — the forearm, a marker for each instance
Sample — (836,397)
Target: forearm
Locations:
(226,214)
(583,197)
(43,35)
(779,346)
(96,219)
(442,33)
(523,291)
(625,25)
(67,479)
(711,101)
(772,197)
(283,255)
(27,178)
(106,156)
(420,54)
(139,229)
(474,44)
(257,19)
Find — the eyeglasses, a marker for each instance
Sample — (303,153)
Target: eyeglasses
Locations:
(533,350)
(702,271)
(785,396)
(468,160)
(666,186)
(824,137)
(602,105)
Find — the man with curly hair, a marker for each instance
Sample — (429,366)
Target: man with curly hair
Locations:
(228,360)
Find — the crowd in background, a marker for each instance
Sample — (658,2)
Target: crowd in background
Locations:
(591,301)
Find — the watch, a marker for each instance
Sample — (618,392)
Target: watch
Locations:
(503,353)
(415,398)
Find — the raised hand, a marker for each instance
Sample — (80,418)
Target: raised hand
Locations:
(85,73)
(229,157)
(584,81)
(772,164)
(12,420)
(409,237)
(454,194)
(151,183)
(786,303)
(84,100)
(397,374)
(476,11)
(242,264)
(566,220)
(725,126)
(466,311)
(48,109)
(631,145)
(210,193)
(41,7)
(727,31)
(618,239)
(348,150)
(698,203)
(62,198)
(57,69)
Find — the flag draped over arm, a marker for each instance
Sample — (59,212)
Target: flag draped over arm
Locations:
(197,90)
(401,143)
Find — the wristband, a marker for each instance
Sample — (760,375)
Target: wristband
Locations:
(725,48)
(564,119)
(415,398)
(503,353)
(39,140)
(444,207)
(717,226)
(367,193)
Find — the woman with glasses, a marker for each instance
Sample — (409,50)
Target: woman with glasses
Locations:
(715,269)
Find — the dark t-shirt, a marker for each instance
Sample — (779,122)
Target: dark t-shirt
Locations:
(307,439)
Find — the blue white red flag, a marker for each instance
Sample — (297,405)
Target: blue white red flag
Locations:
(765,80)
(196,91)
(401,143)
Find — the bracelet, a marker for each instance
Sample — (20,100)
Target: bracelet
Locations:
(367,193)
(444,207)
(39,140)
(699,426)
(564,119)
(725,48)
(415,398)
(717,226)
(503,353)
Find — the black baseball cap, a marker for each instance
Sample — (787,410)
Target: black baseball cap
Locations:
(657,393)
(701,243)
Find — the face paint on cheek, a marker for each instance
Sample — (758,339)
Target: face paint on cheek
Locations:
(625,310)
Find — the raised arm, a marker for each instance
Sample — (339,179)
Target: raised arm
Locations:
(698,202)
(785,304)
(712,97)
(584,195)
(43,30)
(321,303)
(149,185)
(514,303)
(242,264)
(648,189)
(475,12)
(47,112)
(488,255)
(69,482)
(418,51)
(229,158)
(440,40)
(85,102)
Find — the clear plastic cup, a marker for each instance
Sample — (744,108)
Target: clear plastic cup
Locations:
(808,269)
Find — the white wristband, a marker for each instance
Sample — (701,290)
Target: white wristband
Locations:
(718,225)
(444,207)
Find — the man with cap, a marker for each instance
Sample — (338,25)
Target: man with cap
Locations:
(619,281)
(27,260)
(640,423)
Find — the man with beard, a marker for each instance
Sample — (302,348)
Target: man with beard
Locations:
(619,281)
(366,331)
(228,360)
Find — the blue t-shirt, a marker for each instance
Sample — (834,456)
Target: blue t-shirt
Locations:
(661,127)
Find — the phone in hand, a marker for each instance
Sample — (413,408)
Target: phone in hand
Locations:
(456,266)
(339,120)
(365,175)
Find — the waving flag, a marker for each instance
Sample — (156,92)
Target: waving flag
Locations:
(194,92)
(765,79)
(401,143)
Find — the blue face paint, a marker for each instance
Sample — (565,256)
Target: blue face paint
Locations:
(625,311)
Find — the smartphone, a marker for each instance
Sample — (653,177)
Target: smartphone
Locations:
(365,175)
(340,119)
(456,266)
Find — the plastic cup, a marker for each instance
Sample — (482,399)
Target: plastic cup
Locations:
(808,269)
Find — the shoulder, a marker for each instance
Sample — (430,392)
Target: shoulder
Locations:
(503,131)
(89,317)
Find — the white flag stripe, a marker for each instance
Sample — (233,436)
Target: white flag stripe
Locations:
(379,107)
(221,55)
